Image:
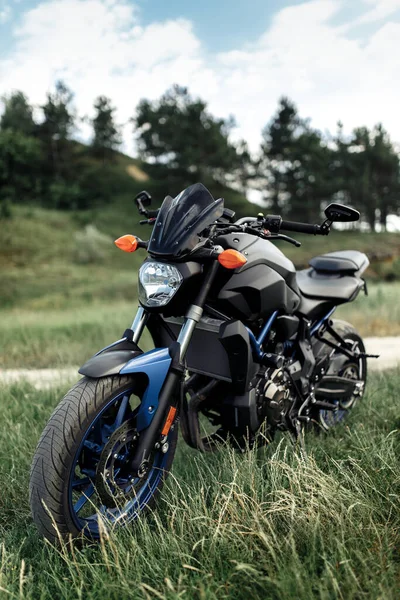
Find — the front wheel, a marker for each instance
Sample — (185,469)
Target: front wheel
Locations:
(80,476)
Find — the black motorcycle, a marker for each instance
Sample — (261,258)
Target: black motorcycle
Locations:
(239,337)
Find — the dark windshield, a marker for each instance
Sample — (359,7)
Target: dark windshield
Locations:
(181,220)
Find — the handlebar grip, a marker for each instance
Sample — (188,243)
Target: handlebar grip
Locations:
(300,227)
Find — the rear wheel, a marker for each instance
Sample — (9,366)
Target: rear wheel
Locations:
(349,368)
(80,477)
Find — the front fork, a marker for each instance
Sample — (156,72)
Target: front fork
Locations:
(167,397)
(138,324)
(193,316)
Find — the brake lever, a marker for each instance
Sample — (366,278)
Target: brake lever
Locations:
(150,221)
(285,238)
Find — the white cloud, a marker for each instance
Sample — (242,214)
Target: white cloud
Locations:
(380,9)
(5,12)
(100,47)
(330,76)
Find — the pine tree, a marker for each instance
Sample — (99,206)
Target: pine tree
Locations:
(106,133)
(185,141)
(372,170)
(294,165)
(57,126)
(17,114)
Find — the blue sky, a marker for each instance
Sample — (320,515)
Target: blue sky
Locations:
(221,24)
(337,59)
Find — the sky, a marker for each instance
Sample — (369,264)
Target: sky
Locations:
(336,59)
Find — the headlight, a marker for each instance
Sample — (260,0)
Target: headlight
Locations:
(158,283)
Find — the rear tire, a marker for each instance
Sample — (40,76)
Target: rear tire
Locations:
(326,419)
(62,444)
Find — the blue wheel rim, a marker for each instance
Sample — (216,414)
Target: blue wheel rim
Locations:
(89,524)
(333,418)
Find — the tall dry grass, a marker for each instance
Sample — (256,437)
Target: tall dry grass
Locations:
(272,523)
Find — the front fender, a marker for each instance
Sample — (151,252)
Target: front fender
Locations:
(111,359)
(125,358)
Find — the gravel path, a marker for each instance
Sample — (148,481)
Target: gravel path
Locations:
(387,347)
(41,379)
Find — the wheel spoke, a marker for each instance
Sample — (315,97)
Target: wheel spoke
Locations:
(79,483)
(84,498)
(121,412)
(98,433)
(92,447)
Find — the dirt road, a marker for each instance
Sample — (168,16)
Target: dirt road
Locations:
(387,347)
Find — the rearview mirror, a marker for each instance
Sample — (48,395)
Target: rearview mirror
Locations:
(143,199)
(340,212)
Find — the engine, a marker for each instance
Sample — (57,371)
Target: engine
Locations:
(268,400)
(275,397)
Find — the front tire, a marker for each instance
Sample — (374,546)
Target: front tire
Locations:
(74,473)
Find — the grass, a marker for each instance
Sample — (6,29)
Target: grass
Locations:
(269,524)
(47,337)
(56,338)
(56,310)
(377,314)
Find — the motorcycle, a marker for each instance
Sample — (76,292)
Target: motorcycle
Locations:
(241,340)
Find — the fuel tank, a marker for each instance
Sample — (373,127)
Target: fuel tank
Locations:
(267,282)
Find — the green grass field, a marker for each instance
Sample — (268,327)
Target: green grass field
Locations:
(64,296)
(70,335)
(269,524)
(48,261)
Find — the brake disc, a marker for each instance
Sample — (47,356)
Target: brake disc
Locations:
(114,481)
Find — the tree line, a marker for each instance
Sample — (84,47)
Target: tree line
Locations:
(297,168)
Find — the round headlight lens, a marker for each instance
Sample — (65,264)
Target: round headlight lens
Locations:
(158,283)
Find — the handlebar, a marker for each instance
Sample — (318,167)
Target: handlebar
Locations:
(301,227)
(275,224)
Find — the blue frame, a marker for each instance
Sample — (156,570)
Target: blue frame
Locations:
(257,342)
(322,321)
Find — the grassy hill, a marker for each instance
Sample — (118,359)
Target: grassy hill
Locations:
(52,259)
(266,524)
(66,290)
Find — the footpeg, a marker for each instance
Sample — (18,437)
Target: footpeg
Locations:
(325,405)
(337,388)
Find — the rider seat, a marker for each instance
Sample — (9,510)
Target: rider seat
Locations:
(346,262)
(334,276)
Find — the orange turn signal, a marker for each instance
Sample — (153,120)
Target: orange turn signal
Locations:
(127,243)
(231,259)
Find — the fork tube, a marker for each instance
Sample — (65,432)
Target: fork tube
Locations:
(192,318)
(139,323)
(195,312)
